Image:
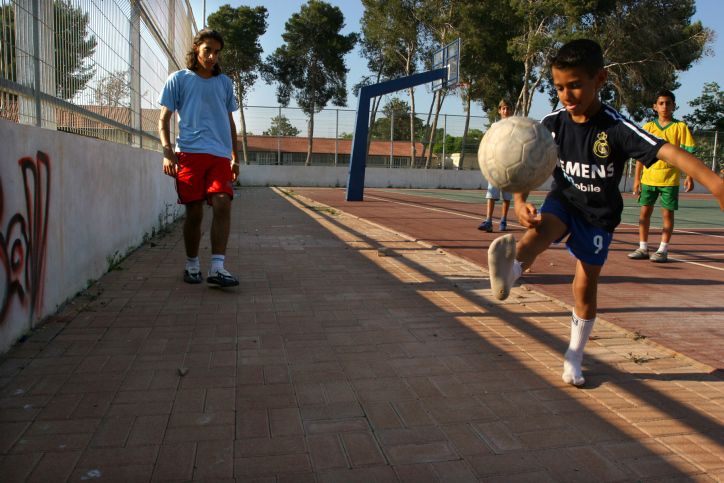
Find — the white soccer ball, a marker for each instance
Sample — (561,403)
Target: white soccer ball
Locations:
(517,154)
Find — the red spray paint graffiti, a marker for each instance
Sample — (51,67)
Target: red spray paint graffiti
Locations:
(23,243)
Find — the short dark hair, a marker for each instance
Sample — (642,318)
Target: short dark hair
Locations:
(584,53)
(665,93)
(192,62)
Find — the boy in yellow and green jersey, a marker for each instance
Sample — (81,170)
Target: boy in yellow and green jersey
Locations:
(661,179)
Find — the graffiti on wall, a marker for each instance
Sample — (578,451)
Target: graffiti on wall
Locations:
(23,240)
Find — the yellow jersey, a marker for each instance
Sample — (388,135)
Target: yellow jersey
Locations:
(662,173)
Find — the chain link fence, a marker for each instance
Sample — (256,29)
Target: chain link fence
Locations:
(278,136)
(91,68)
(709,149)
(97,69)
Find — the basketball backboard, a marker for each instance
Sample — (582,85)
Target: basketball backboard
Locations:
(447,56)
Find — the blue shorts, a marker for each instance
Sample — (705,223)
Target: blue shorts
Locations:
(494,194)
(586,242)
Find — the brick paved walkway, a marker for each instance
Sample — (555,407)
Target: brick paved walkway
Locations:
(348,354)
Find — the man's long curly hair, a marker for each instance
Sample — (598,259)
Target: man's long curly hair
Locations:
(192,62)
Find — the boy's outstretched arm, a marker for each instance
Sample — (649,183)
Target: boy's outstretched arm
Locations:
(526,212)
(693,167)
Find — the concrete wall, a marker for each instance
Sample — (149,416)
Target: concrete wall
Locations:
(68,206)
(330,176)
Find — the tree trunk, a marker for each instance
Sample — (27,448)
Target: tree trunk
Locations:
(461,163)
(427,125)
(243,135)
(310,139)
(375,105)
(413,150)
(240,101)
(433,133)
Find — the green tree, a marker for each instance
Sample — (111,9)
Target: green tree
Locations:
(310,64)
(487,69)
(397,111)
(241,29)
(73,45)
(378,64)
(113,90)
(280,126)
(708,109)
(72,41)
(394,26)
(646,43)
(540,29)
(439,20)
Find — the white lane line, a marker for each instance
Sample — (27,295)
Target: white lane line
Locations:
(464,215)
(678,230)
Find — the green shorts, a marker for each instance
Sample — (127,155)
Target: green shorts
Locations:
(669,196)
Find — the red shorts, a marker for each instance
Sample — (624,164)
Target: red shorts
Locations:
(200,175)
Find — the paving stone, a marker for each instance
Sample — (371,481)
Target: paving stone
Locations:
(331,363)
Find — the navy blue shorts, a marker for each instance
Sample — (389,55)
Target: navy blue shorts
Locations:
(586,242)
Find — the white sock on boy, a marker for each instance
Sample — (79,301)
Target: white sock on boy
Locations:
(580,331)
(217,263)
(192,265)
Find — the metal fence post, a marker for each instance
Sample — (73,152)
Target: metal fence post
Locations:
(36,62)
(135,74)
(392,137)
(713,153)
(444,138)
(279,141)
(171,39)
(336,136)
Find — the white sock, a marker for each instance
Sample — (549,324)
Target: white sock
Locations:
(644,245)
(580,331)
(192,264)
(217,263)
(663,247)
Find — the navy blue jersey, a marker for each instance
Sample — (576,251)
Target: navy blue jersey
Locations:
(591,160)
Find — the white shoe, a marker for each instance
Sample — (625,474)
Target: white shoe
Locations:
(501,256)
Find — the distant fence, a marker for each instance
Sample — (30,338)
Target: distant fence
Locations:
(91,68)
(278,136)
(709,148)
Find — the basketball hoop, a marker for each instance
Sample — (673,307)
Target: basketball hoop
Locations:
(447,57)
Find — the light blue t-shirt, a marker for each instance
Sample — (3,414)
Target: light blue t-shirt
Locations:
(203,107)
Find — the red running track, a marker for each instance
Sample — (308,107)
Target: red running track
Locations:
(679,304)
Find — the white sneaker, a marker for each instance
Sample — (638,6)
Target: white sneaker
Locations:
(222,278)
(501,256)
(572,373)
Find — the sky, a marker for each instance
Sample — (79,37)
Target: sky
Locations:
(707,69)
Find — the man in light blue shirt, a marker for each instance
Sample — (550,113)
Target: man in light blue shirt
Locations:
(204,162)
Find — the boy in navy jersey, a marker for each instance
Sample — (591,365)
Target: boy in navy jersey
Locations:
(584,204)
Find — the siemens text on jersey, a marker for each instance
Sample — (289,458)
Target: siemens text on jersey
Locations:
(575,169)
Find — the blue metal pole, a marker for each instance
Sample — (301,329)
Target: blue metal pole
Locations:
(358,157)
